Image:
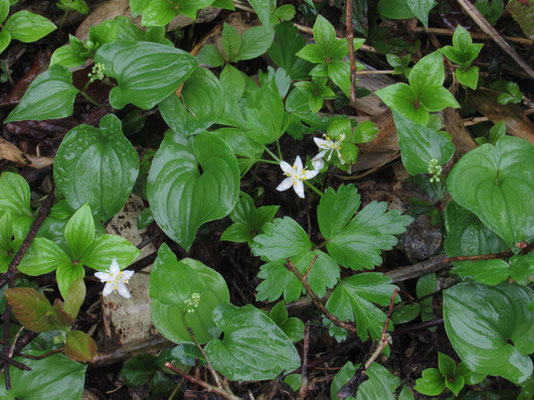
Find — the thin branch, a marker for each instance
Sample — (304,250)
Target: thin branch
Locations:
(417,327)
(17,364)
(483,24)
(474,35)
(198,382)
(206,359)
(350,42)
(304,387)
(317,301)
(45,355)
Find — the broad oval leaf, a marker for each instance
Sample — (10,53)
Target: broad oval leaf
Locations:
(80,231)
(42,257)
(496,183)
(253,347)
(482,322)
(80,346)
(181,197)
(31,308)
(28,27)
(53,377)
(146,72)
(172,285)
(50,95)
(199,107)
(419,145)
(98,166)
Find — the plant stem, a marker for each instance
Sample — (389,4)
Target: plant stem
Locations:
(269,162)
(272,155)
(350,42)
(279,149)
(313,188)
(90,100)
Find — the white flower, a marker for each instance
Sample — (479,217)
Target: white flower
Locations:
(328,146)
(295,175)
(116,280)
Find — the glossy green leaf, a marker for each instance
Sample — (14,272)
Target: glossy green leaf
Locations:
(181,197)
(231,41)
(263,10)
(380,385)
(210,56)
(490,327)
(421,8)
(145,218)
(42,257)
(158,12)
(419,145)
(92,160)
(395,9)
(28,27)
(353,300)
(53,377)
(14,195)
(496,183)
(30,308)
(468,77)
(105,248)
(253,347)
(80,230)
(198,108)
(401,97)
(66,274)
(323,32)
(74,297)
(281,239)
(255,42)
(146,72)
(358,243)
(287,43)
(50,95)
(522,268)
(5,40)
(138,370)
(431,383)
(446,365)
(172,285)
(80,346)
(4,10)
(405,313)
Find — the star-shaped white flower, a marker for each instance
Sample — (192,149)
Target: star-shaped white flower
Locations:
(295,176)
(327,147)
(116,280)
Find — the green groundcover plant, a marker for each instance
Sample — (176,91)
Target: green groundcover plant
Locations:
(221,126)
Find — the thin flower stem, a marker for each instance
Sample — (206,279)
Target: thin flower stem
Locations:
(272,155)
(279,149)
(270,162)
(313,188)
(94,102)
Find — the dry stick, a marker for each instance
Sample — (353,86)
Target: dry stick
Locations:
(417,327)
(350,42)
(304,389)
(489,30)
(10,274)
(317,301)
(474,35)
(198,382)
(17,364)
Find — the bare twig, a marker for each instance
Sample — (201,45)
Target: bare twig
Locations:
(350,42)
(497,38)
(317,301)
(17,364)
(206,359)
(198,382)
(45,355)
(304,387)
(129,350)
(474,35)
(417,327)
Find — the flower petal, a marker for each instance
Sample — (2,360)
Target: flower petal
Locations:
(123,290)
(318,164)
(299,189)
(310,174)
(322,144)
(108,289)
(114,268)
(127,274)
(319,155)
(298,163)
(103,276)
(287,168)
(285,184)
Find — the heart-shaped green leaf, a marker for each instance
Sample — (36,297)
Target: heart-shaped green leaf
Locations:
(496,183)
(53,377)
(146,72)
(173,286)
(482,322)
(419,145)
(199,107)
(253,348)
(190,183)
(50,95)
(98,166)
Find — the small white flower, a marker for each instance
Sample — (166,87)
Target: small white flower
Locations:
(295,175)
(192,303)
(116,280)
(328,146)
